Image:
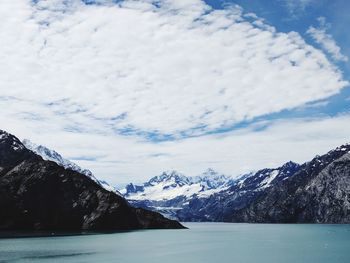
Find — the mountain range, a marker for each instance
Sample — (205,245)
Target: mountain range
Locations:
(39,194)
(171,191)
(317,191)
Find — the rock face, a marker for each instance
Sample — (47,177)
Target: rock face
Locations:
(315,192)
(36,194)
(318,193)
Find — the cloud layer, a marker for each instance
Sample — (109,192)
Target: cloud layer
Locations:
(107,84)
(175,67)
(325,40)
(120,159)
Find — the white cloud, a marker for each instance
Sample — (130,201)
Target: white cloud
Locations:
(297,7)
(121,159)
(326,40)
(73,76)
(169,69)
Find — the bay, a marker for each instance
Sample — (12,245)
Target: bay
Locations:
(202,242)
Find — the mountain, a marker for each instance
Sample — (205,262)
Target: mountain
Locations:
(38,194)
(51,155)
(173,184)
(314,192)
(244,190)
(171,191)
(317,191)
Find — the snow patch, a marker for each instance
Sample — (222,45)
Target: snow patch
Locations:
(268,180)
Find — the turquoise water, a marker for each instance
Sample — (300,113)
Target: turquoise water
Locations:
(203,242)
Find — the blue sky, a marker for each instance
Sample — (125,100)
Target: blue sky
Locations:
(299,17)
(286,16)
(294,15)
(131,88)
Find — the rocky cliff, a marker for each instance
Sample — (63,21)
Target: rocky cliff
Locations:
(315,192)
(36,194)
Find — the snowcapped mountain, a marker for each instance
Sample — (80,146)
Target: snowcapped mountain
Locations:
(265,178)
(171,191)
(175,195)
(51,155)
(15,143)
(39,195)
(314,192)
(172,184)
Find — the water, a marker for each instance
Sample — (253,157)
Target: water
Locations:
(203,242)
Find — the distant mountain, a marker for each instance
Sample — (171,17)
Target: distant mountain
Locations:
(314,192)
(38,194)
(171,191)
(244,190)
(51,155)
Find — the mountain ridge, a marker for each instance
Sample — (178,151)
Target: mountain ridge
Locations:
(52,155)
(208,180)
(169,192)
(287,200)
(317,191)
(36,194)
(250,196)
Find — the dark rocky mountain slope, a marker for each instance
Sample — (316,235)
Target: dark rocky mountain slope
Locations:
(315,192)
(41,195)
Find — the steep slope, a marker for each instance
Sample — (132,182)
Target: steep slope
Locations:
(318,193)
(315,192)
(51,155)
(245,190)
(36,194)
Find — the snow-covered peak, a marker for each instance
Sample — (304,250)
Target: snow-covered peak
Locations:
(11,140)
(172,184)
(51,155)
(265,178)
(172,177)
(212,179)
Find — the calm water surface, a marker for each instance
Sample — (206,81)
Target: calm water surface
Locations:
(203,242)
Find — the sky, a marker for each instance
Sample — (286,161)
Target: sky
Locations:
(132,88)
